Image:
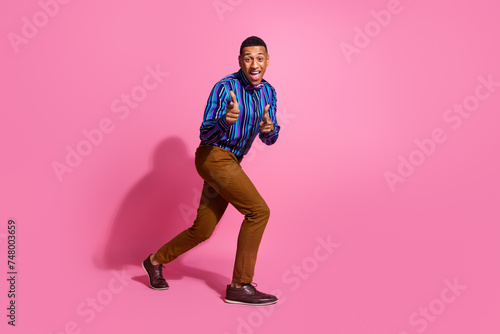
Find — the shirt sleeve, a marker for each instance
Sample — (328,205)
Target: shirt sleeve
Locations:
(214,126)
(271,137)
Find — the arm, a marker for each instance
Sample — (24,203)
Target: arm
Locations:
(269,128)
(220,113)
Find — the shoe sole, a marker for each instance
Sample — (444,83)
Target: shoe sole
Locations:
(152,287)
(230,301)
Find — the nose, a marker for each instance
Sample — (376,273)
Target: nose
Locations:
(254,64)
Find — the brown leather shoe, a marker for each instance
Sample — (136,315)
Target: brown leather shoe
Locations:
(156,280)
(248,295)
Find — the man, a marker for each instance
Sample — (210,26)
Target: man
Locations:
(241,106)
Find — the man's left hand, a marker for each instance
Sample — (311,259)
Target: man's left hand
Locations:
(266,125)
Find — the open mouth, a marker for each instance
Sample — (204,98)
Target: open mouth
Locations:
(255,75)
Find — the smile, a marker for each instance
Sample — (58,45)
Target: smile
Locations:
(255,75)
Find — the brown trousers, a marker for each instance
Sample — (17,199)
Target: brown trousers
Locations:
(225,182)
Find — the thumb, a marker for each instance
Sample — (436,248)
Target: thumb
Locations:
(266,117)
(233,97)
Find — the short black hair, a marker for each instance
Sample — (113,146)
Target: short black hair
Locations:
(253,41)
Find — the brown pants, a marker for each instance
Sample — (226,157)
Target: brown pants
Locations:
(225,182)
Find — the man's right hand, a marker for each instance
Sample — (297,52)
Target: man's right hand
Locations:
(233,109)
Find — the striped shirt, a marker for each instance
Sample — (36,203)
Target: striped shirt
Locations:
(239,136)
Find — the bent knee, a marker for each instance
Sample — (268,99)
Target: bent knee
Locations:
(200,234)
(261,211)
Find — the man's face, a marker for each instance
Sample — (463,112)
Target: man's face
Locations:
(253,62)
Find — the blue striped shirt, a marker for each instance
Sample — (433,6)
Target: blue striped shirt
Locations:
(239,136)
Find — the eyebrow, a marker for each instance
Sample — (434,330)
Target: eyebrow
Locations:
(248,53)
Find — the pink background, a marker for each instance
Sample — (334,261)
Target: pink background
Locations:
(345,123)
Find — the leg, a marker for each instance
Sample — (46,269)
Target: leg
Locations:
(211,208)
(221,169)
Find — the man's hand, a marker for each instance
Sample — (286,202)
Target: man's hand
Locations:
(266,125)
(233,109)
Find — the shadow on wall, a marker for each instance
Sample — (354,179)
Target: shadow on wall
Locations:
(157,208)
(150,213)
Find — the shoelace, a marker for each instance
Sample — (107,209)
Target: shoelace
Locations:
(161,266)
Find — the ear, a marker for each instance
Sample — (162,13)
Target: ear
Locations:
(267,60)
(240,61)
